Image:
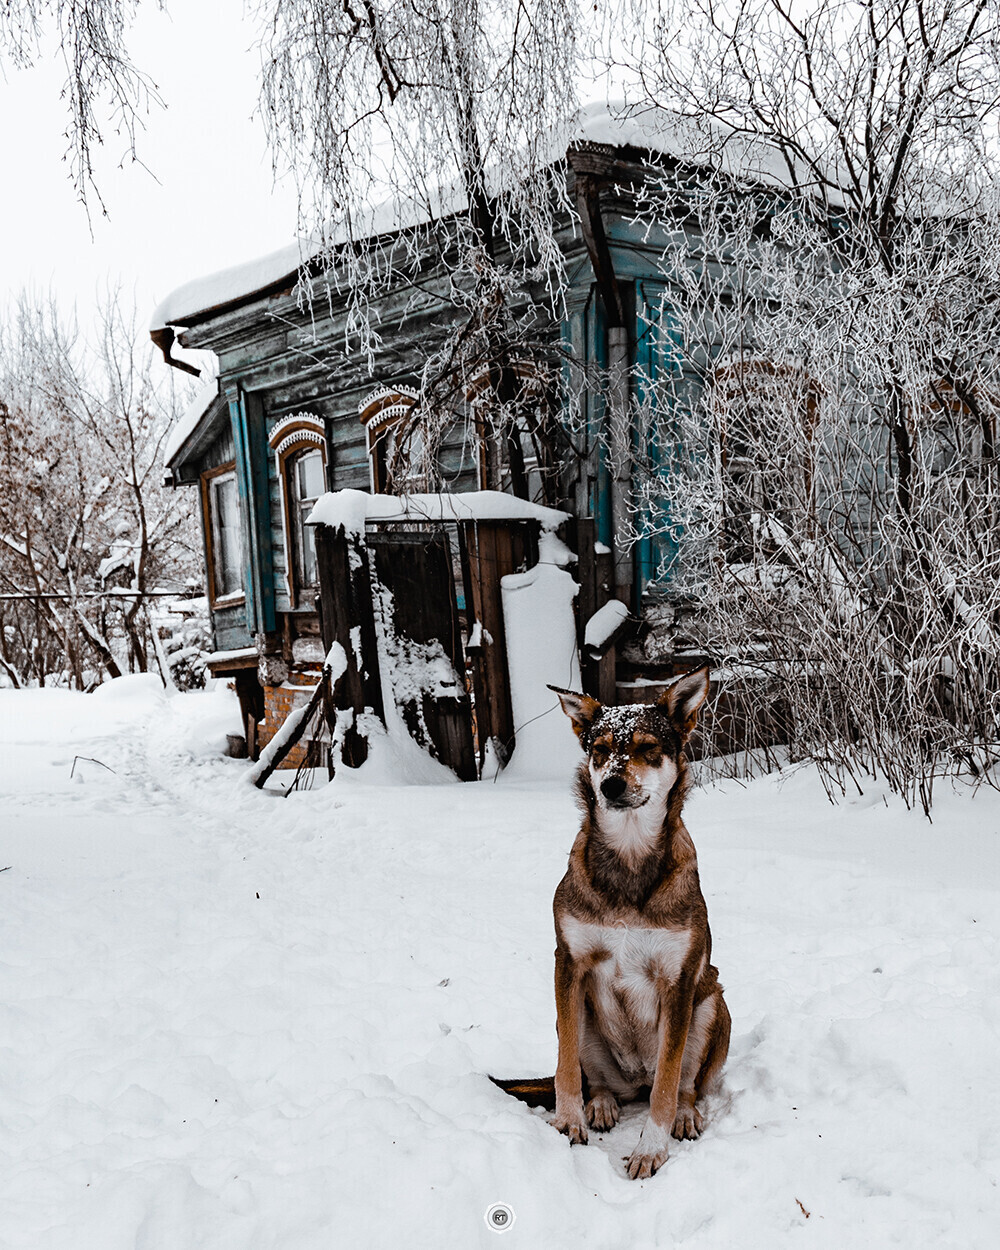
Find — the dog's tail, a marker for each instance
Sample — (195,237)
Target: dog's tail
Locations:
(536,1091)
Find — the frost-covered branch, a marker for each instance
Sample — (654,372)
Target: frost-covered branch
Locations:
(80,505)
(824,458)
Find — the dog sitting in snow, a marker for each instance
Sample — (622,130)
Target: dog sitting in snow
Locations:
(638,1003)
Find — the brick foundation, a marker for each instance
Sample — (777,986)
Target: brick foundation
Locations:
(294,692)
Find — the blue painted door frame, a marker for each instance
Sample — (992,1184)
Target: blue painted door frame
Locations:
(658,359)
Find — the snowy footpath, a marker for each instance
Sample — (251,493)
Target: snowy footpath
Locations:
(230,1019)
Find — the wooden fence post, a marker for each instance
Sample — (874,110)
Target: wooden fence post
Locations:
(491,550)
(596,571)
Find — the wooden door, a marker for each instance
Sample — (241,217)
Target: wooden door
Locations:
(414,591)
(491,550)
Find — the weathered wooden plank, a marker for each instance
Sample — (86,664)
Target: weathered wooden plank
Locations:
(582,540)
(345,603)
(484,730)
(595,570)
(605,581)
(494,562)
(320,696)
(495,549)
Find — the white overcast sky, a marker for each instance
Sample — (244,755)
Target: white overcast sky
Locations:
(208,202)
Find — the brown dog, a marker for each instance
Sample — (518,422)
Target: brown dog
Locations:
(638,1002)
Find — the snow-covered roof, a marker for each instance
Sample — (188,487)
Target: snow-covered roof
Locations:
(191,418)
(354,508)
(652,130)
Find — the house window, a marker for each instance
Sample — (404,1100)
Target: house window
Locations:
(300,458)
(306,475)
(224,533)
(955,437)
(532,423)
(765,415)
(394,466)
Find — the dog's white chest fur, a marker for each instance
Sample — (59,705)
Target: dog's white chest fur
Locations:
(633,833)
(629,967)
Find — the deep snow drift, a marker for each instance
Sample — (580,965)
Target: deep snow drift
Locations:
(230,1019)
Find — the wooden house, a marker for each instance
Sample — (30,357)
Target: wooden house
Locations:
(282,424)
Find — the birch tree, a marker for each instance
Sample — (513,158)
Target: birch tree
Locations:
(103,87)
(442,124)
(438,122)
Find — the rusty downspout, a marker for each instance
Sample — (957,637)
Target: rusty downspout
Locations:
(588,167)
(164,340)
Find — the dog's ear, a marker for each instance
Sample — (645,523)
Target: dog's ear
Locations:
(580,708)
(682,700)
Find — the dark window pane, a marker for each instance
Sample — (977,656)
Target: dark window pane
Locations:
(307,482)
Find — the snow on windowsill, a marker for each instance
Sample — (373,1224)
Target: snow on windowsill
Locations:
(240,658)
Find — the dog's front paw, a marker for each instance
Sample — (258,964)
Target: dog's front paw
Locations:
(602,1111)
(688,1123)
(650,1153)
(641,1166)
(573,1124)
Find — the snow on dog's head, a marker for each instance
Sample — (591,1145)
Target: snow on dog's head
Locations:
(634,750)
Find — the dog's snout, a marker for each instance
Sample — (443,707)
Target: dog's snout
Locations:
(613,788)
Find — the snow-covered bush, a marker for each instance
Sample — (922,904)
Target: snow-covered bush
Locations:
(185,629)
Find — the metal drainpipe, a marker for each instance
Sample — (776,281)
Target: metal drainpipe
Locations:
(164,339)
(620,449)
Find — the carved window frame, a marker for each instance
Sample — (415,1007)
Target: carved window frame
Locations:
(381,412)
(954,437)
(533,379)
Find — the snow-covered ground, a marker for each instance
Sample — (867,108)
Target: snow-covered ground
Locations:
(234,1020)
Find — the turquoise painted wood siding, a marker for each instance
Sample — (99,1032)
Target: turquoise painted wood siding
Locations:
(658,361)
(597,354)
(250,445)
